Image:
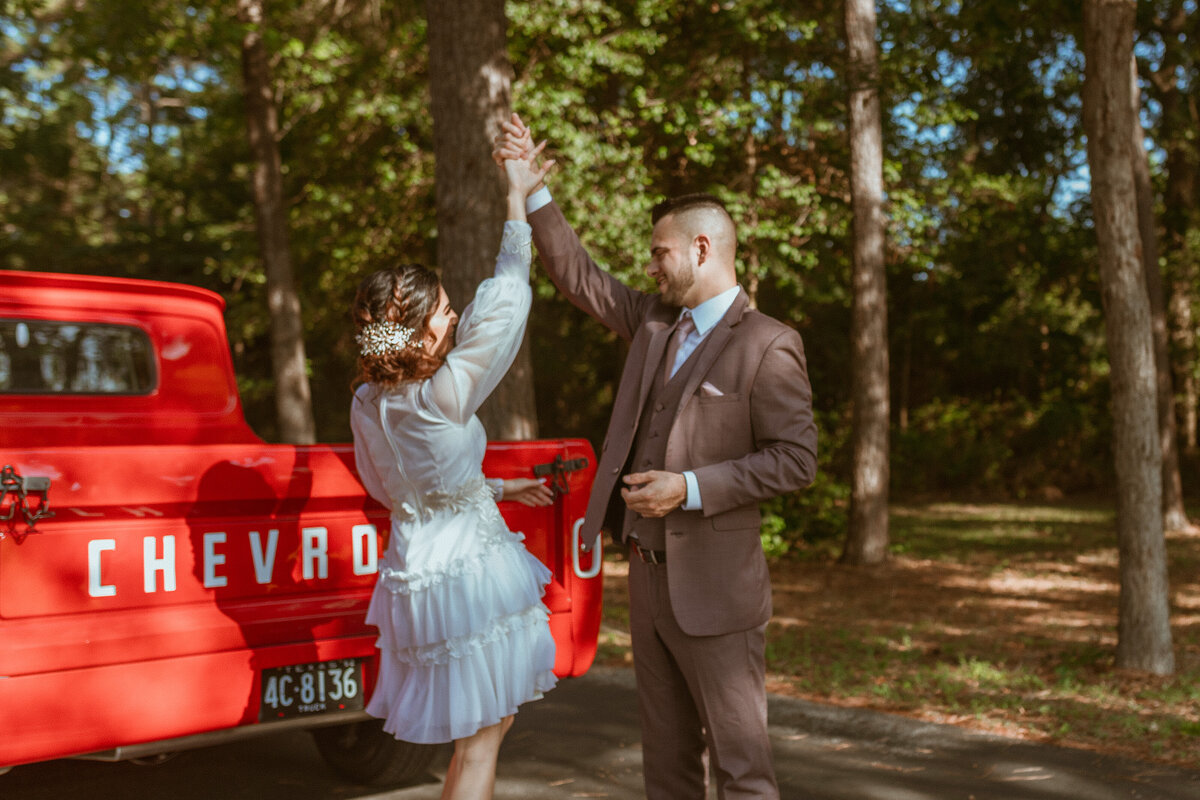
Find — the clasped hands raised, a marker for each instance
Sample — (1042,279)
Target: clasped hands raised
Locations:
(516,144)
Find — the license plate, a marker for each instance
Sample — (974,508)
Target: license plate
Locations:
(302,690)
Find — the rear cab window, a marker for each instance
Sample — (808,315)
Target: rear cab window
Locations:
(53,357)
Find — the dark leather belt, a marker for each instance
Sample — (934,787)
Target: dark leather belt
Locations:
(651,556)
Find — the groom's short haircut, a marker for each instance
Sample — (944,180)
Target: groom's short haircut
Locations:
(687,202)
(702,213)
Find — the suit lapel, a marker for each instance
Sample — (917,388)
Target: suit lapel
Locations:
(655,351)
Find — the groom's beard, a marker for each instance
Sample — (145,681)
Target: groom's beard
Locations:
(674,289)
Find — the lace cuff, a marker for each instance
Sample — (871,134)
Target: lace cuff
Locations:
(516,244)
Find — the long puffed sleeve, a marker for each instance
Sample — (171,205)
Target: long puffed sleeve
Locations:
(489,332)
(362,427)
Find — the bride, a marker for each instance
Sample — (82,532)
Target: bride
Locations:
(464,637)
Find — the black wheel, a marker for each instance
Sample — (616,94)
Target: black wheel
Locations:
(364,753)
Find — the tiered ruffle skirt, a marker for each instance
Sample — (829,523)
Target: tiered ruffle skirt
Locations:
(464,637)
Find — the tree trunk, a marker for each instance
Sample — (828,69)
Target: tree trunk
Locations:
(867,539)
(1144,631)
(293,399)
(1174,515)
(753,262)
(469,80)
(906,360)
(1185,344)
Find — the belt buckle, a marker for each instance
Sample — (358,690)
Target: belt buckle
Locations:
(649,556)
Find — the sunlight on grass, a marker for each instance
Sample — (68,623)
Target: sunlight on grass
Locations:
(1007,513)
(1078,701)
(1028,641)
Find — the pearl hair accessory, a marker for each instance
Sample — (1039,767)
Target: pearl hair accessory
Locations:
(378,338)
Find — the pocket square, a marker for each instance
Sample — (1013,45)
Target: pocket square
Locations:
(708,390)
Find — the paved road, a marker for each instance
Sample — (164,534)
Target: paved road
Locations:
(582,741)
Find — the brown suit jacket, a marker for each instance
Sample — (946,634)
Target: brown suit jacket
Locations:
(753,441)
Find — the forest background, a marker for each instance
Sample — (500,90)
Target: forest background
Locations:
(123,151)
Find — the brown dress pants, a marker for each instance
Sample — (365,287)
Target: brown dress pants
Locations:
(701,698)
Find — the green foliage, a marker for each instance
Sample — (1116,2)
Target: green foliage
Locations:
(123,151)
(1007,447)
(815,519)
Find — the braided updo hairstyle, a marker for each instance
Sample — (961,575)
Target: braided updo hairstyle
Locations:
(406,295)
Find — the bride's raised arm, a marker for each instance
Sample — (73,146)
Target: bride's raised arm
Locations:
(490,331)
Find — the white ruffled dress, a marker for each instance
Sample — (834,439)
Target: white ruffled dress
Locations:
(464,637)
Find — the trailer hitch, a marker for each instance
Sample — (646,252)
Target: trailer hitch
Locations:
(30,497)
(558,470)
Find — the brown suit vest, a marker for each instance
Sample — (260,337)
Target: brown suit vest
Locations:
(650,444)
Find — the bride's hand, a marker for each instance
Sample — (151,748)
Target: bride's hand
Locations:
(524,173)
(528,491)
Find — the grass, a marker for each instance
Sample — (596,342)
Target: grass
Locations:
(997,617)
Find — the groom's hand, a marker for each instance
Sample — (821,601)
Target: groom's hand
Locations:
(515,142)
(654,493)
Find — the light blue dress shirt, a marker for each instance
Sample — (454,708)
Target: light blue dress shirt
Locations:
(705,316)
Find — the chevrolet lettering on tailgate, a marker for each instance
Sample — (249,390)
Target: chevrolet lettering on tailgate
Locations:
(167,579)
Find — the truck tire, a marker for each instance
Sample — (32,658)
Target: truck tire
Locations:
(365,754)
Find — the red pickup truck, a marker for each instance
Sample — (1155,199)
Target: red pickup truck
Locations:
(167,579)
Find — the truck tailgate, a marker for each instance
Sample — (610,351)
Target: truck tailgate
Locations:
(184,572)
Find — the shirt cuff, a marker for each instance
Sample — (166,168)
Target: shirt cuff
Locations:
(538,199)
(497,487)
(692,503)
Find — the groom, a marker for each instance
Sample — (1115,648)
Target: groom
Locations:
(713,414)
